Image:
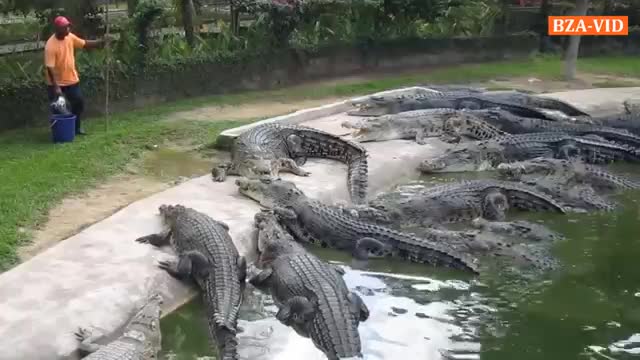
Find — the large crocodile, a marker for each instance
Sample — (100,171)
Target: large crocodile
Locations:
(393,104)
(513,124)
(629,122)
(446,124)
(141,339)
(310,294)
(487,154)
(579,198)
(311,221)
(270,148)
(521,229)
(536,101)
(419,205)
(206,254)
(575,172)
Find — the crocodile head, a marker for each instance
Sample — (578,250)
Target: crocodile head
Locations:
(170,213)
(256,168)
(268,191)
(464,157)
(372,106)
(379,128)
(273,239)
(145,324)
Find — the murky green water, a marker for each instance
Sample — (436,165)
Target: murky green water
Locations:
(166,163)
(589,309)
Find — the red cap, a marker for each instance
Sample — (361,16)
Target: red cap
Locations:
(61,21)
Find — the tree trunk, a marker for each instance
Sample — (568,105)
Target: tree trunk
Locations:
(131,6)
(545,11)
(188,15)
(235,18)
(571,56)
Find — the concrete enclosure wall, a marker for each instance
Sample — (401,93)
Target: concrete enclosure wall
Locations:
(284,68)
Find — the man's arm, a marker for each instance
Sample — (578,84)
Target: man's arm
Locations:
(50,63)
(88,44)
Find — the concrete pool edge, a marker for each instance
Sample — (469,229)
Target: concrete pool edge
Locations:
(98,277)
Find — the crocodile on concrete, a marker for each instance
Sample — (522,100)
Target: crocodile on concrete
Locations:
(420,205)
(206,254)
(629,122)
(268,149)
(488,154)
(535,101)
(576,172)
(513,124)
(393,104)
(141,339)
(447,124)
(311,221)
(311,294)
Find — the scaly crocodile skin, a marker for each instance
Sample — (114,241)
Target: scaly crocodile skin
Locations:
(257,152)
(293,276)
(207,254)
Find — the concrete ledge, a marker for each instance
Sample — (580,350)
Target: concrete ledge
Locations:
(597,102)
(225,139)
(97,277)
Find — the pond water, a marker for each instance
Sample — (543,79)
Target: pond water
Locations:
(588,309)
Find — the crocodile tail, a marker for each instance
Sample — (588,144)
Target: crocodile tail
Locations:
(358,179)
(313,143)
(532,200)
(227,342)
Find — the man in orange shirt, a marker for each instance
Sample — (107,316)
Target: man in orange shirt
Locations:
(60,63)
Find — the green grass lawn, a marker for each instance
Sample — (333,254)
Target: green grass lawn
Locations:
(37,174)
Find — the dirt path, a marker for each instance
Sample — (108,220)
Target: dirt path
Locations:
(163,168)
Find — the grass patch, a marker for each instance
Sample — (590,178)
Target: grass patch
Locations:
(37,174)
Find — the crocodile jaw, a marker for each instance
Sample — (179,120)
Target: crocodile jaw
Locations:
(251,189)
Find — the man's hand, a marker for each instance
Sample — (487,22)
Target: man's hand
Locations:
(58,91)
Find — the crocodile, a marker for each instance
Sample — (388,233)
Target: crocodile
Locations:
(393,104)
(513,124)
(520,229)
(206,254)
(629,122)
(311,294)
(447,124)
(312,221)
(270,148)
(576,172)
(487,154)
(419,205)
(141,339)
(536,101)
(580,198)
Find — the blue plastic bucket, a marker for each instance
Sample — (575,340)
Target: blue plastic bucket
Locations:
(63,128)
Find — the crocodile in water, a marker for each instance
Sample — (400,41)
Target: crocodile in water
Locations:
(206,254)
(575,172)
(270,148)
(311,221)
(141,338)
(310,294)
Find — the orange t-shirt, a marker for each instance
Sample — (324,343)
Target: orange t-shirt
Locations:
(60,55)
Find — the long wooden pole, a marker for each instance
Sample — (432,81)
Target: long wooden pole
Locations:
(108,66)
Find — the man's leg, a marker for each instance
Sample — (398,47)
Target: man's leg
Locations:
(73,94)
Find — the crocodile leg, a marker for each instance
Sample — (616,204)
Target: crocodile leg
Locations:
(158,240)
(242,269)
(88,340)
(187,263)
(285,214)
(421,136)
(358,307)
(288,165)
(221,171)
(366,246)
(260,278)
(300,160)
(494,205)
(296,311)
